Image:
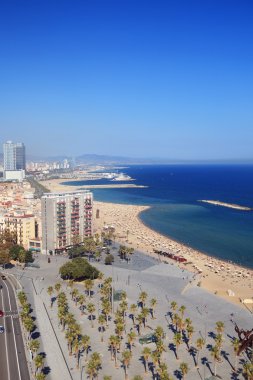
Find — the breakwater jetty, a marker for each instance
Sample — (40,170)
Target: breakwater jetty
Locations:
(229,205)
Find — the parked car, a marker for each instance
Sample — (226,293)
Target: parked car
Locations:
(1,313)
(1,329)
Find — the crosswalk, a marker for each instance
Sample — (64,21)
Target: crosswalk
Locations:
(11,314)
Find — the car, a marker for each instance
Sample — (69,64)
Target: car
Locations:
(3,277)
(1,313)
(1,329)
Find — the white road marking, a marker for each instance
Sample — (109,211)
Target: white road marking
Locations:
(15,343)
(5,338)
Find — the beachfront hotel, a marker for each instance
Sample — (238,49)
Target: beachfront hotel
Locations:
(66,219)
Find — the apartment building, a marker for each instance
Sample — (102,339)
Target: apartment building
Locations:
(66,219)
(22,226)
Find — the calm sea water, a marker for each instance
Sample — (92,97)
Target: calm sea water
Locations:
(173,192)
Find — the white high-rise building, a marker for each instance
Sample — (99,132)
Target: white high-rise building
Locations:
(14,156)
(66,219)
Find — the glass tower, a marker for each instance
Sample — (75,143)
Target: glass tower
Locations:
(14,156)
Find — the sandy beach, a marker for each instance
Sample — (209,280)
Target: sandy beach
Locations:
(214,275)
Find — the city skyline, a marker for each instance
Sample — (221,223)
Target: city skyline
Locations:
(171,81)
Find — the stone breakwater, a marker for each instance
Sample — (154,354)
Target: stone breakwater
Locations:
(229,205)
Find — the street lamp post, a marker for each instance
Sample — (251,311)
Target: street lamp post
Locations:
(81,372)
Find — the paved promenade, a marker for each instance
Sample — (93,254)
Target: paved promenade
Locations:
(165,282)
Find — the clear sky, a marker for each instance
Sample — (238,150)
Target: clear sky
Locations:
(136,78)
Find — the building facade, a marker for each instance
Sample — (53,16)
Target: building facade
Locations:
(66,219)
(22,226)
(14,156)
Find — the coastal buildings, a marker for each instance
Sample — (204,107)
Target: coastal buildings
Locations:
(14,161)
(20,213)
(24,227)
(66,219)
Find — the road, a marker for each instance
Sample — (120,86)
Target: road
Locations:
(13,364)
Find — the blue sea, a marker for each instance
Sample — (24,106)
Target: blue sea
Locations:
(173,192)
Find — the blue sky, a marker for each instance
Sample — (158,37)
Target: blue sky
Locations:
(169,79)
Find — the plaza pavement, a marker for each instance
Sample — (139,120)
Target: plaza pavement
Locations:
(165,282)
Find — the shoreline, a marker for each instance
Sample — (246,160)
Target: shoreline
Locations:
(194,249)
(217,275)
(60,185)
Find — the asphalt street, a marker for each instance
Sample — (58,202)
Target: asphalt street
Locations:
(13,364)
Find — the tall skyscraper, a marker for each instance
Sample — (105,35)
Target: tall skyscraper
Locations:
(14,156)
(66,219)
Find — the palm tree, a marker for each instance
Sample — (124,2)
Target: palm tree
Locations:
(114,342)
(76,348)
(70,336)
(219,340)
(146,352)
(130,339)
(182,310)
(81,302)
(236,345)
(175,320)
(26,308)
(145,313)
(22,297)
(34,346)
(29,325)
(180,324)
(119,330)
(219,327)
(190,331)
(112,345)
(85,343)
(39,362)
(215,352)
(247,370)
(139,319)
(91,309)
(88,284)
(74,294)
(50,290)
(153,303)
(92,369)
(57,287)
(61,316)
(160,348)
(155,358)
(173,306)
(102,322)
(163,372)
(123,295)
(133,309)
(188,322)
(142,298)
(177,340)
(40,376)
(123,308)
(184,369)
(159,333)
(199,344)
(126,358)
(106,308)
